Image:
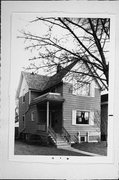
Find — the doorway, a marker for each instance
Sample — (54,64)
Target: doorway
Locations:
(56,120)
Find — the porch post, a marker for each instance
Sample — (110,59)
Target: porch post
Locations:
(47,115)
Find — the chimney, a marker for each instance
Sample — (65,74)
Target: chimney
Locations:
(32,73)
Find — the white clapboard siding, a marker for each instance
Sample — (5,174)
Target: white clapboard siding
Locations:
(92,89)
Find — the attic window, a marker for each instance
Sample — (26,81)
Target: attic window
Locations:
(81,88)
(23,99)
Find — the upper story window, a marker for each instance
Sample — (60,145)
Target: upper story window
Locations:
(23,99)
(81,88)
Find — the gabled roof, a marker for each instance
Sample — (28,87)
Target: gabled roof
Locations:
(35,81)
(41,82)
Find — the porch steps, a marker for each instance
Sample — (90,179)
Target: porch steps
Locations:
(60,141)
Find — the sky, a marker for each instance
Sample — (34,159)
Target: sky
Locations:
(19,56)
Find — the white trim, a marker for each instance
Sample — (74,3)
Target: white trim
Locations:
(91,118)
(74,116)
(103,103)
(86,136)
(53,93)
(32,115)
(92,88)
(23,86)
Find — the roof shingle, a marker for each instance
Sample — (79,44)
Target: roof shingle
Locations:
(35,81)
(41,83)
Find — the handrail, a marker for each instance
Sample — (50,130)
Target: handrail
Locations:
(66,135)
(22,130)
(52,133)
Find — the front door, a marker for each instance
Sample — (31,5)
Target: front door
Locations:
(55,121)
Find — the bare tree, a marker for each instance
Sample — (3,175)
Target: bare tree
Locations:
(85,40)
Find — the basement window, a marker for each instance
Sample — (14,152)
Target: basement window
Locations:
(83,139)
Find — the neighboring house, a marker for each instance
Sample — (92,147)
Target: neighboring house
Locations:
(16,114)
(104,116)
(16,122)
(54,110)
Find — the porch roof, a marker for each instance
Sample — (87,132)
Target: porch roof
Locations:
(56,97)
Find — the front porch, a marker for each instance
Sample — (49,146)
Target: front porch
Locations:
(50,118)
(49,111)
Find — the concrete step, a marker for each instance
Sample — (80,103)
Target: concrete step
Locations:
(61,141)
(63,146)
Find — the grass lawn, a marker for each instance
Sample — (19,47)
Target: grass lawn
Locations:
(21,148)
(97,148)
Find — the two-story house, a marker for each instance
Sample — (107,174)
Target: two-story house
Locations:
(53,110)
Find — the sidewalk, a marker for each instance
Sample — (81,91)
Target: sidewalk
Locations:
(79,151)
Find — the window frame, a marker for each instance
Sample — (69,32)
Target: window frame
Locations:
(91,113)
(81,111)
(75,92)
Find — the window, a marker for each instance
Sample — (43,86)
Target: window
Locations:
(82,117)
(23,99)
(23,118)
(81,88)
(83,139)
(33,116)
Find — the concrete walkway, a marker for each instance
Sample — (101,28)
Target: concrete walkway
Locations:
(79,151)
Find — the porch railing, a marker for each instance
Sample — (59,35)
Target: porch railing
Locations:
(66,135)
(52,134)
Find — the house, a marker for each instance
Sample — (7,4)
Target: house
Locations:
(104,116)
(16,122)
(51,109)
